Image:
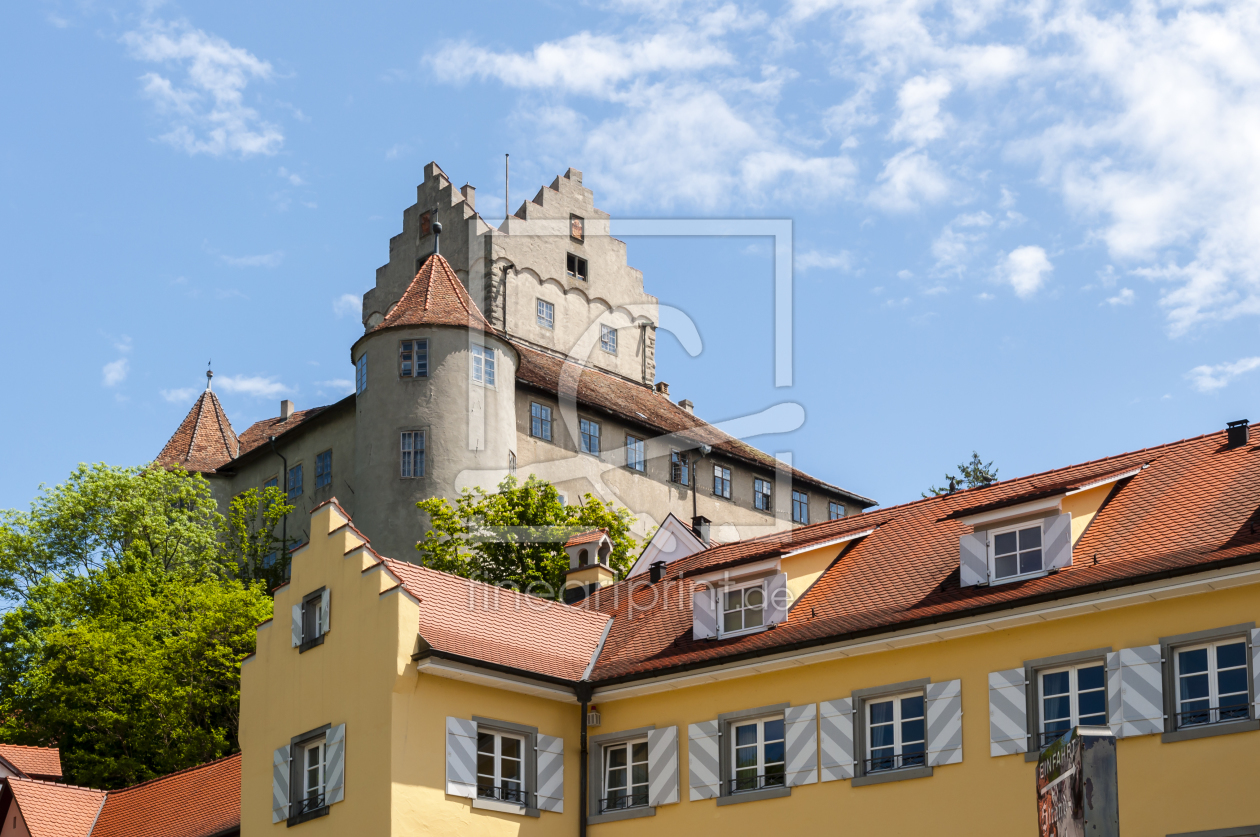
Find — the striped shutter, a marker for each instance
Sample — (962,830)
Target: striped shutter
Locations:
(800,736)
(1135,691)
(702,760)
(550,793)
(1056,541)
(335,765)
(461,757)
(703,613)
(324,610)
(1008,712)
(1255,670)
(973,559)
(835,720)
(944,722)
(297,625)
(280,784)
(663,766)
(778,599)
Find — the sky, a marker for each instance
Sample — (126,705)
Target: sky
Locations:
(1030,230)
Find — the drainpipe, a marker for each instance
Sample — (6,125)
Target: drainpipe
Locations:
(583,691)
(284,524)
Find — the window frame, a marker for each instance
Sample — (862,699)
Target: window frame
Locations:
(832,506)
(679,467)
(990,550)
(727,721)
(323,469)
(1032,690)
(418,348)
(636,449)
(721,482)
(311,605)
(299,744)
(721,610)
(544,424)
(529,766)
(512,463)
(608,338)
(760,744)
(408,472)
(862,697)
(293,488)
(596,777)
(481,365)
(768,494)
(1168,646)
(577,267)
(1073,695)
(1213,675)
(545,314)
(586,434)
(800,502)
(360,374)
(897,723)
(497,758)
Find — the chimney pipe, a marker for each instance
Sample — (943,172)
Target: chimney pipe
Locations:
(662,388)
(657,571)
(1237,433)
(687,405)
(470,195)
(286,409)
(700,525)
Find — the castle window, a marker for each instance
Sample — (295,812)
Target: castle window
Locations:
(360,375)
(608,339)
(412,454)
(590,436)
(800,507)
(761,495)
(835,510)
(678,470)
(540,421)
(274,482)
(294,482)
(323,469)
(576,267)
(413,359)
(512,463)
(634,453)
(483,365)
(722,481)
(577,227)
(546,314)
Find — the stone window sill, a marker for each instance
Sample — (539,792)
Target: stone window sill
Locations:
(892,776)
(754,796)
(1208,731)
(623,814)
(504,807)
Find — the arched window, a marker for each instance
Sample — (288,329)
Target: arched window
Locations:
(583,557)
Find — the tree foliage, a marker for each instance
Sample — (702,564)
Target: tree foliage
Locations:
(515,536)
(974,474)
(250,535)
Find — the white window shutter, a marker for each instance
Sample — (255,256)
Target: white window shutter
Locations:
(335,765)
(1255,670)
(973,559)
(461,757)
(1140,675)
(280,784)
(550,793)
(1115,717)
(777,599)
(324,610)
(944,722)
(800,742)
(1056,541)
(663,766)
(1008,712)
(297,625)
(703,613)
(835,720)
(703,766)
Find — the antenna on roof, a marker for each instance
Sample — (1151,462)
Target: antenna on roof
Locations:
(209,374)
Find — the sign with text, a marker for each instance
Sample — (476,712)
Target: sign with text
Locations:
(1076,786)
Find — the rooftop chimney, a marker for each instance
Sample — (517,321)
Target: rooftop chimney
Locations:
(286,409)
(470,195)
(1237,433)
(657,571)
(700,525)
(687,405)
(662,388)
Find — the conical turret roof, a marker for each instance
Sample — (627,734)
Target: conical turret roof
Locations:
(435,297)
(205,439)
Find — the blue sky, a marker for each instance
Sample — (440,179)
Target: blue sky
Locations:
(1030,229)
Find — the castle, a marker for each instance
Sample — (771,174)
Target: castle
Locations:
(487,351)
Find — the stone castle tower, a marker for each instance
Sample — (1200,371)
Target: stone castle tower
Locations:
(523,348)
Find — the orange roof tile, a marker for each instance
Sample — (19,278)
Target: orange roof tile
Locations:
(586,537)
(53,810)
(35,762)
(204,439)
(198,802)
(435,297)
(1197,506)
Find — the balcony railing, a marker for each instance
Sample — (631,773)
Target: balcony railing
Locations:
(1216,715)
(506,793)
(901,761)
(744,784)
(308,804)
(620,801)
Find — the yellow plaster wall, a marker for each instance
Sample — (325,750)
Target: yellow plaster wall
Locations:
(1164,788)
(1084,507)
(804,569)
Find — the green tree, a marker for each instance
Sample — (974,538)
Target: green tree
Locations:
(515,536)
(250,535)
(973,474)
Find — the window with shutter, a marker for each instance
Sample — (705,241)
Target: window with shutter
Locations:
(1008,713)
(703,763)
(835,723)
(663,766)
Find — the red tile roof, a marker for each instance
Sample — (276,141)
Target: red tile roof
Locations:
(640,404)
(586,537)
(1195,507)
(53,810)
(35,762)
(198,802)
(483,622)
(204,439)
(260,432)
(435,297)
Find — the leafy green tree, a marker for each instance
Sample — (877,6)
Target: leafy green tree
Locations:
(515,536)
(973,474)
(250,536)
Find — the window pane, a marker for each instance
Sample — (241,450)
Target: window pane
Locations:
(1030,538)
(774,730)
(752,617)
(485,764)
(912,730)
(1030,562)
(485,743)
(882,713)
(746,735)
(774,752)
(640,751)
(1192,661)
(753,597)
(1004,543)
(617,757)
(1090,678)
(1194,686)
(733,621)
(882,735)
(639,774)
(1092,703)
(912,707)
(1055,683)
(1229,682)
(734,599)
(1006,566)
(1228,656)
(1057,708)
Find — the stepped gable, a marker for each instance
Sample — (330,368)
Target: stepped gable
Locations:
(205,439)
(435,297)
(1193,506)
(35,762)
(638,404)
(53,810)
(201,801)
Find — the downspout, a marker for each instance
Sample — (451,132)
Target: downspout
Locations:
(583,691)
(284,524)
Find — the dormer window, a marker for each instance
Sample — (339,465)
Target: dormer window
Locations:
(1016,551)
(743,608)
(724,607)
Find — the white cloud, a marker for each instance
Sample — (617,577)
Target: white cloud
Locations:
(255,385)
(955,245)
(1026,269)
(1212,378)
(344,385)
(347,304)
(920,102)
(205,108)
(293,178)
(179,396)
(908,180)
(263,260)
(115,372)
(817,259)
(1125,297)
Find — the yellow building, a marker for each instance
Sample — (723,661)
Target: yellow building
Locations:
(893,672)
